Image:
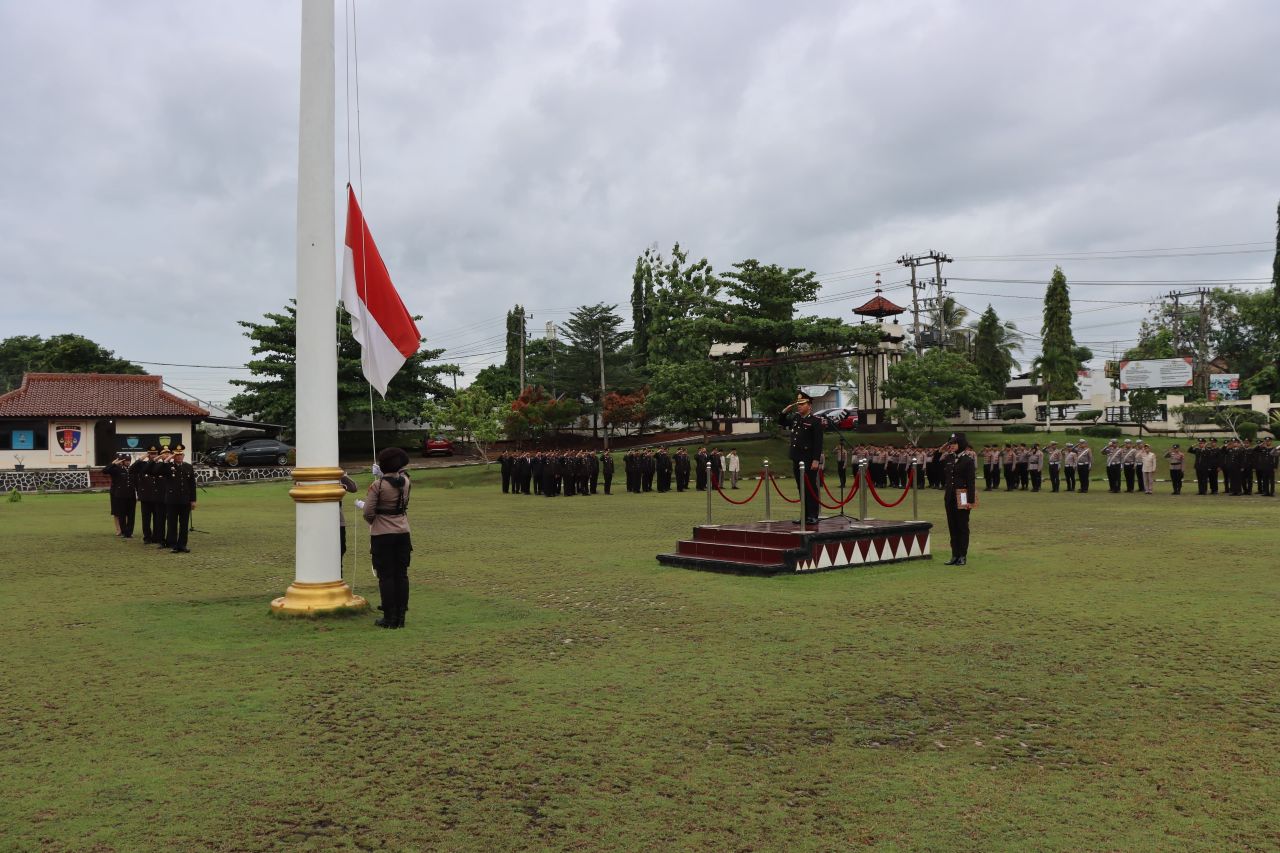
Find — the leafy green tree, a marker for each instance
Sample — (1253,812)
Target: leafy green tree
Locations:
(591,333)
(926,389)
(1243,333)
(1144,405)
(542,357)
(535,414)
(684,385)
(271,397)
(994,345)
(1155,340)
(478,417)
(57,354)
(762,315)
(1060,358)
(497,381)
(691,392)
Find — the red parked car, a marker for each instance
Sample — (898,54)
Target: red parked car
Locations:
(437,447)
(839,418)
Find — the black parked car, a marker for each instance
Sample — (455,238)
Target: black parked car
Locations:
(252,451)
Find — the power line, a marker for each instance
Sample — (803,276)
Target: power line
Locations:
(1121,282)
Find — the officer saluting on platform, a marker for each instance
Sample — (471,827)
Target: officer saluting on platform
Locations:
(806,447)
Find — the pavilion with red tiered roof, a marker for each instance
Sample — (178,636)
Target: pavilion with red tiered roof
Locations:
(879,307)
(873,363)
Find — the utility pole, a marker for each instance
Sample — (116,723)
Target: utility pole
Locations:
(939,258)
(604,429)
(1202,346)
(1200,364)
(523,335)
(911,262)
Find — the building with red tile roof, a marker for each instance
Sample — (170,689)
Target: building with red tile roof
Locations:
(78,420)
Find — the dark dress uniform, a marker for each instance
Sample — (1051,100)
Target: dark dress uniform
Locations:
(806,447)
(682,470)
(1265,462)
(504,462)
(124,501)
(179,499)
(606,469)
(700,473)
(141,474)
(961,479)
(664,471)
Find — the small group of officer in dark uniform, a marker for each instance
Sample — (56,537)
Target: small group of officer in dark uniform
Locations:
(555,472)
(580,472)
(1240,462)
(164,483)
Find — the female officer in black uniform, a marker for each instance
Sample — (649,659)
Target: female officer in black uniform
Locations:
(959,495)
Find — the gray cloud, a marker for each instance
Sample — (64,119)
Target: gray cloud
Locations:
(526,152)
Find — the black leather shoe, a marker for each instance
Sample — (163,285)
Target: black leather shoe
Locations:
(182,550)
(954,561)
(963,561)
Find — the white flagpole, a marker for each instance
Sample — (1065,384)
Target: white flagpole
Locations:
(318,584)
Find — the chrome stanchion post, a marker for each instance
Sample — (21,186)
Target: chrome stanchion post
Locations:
(767,486)
(864,486)
(915,493)
(803,506)
(709,491)
(841,496)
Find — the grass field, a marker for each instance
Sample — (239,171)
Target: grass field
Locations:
(1103,675)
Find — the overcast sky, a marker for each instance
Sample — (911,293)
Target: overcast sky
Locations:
(527,152)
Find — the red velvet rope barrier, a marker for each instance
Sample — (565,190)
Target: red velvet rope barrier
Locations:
(777,489)
(750,497)
(911,475)
(840,503)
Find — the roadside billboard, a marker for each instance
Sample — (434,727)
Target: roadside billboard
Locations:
(1156,373)
(1224,386)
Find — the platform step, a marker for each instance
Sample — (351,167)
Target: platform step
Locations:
(753,554)
(740,536)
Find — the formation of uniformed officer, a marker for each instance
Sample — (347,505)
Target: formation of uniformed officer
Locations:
(806,447)
(552,473)
(1240,462)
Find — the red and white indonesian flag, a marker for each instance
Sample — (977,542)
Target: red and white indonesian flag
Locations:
(379,321)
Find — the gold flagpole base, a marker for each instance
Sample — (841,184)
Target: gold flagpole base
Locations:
(304,598)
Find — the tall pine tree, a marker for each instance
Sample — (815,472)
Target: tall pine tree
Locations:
(994,344)
(1275,292)
(1059,357)
(642,308)
(515,333)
